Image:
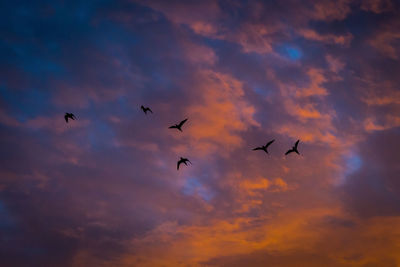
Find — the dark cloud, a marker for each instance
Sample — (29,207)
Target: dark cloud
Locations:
(374,189)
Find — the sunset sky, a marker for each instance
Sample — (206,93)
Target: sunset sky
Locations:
(104,190)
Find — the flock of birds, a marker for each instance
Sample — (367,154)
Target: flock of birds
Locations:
(178,126)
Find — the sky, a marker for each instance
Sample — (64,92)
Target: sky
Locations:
(104,190)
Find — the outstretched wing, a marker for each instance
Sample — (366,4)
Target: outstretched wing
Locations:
(258,148)
(73,116)
(149,110)
(270,142)
(66,117)
(189,161)
(289,151)
(172,127)
(182,122)
(177,165)
(297,142)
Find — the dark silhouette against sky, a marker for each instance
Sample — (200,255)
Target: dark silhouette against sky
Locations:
(69,116)
(293,149)
(265,147)
(146,109)
(182,160)
(178,126)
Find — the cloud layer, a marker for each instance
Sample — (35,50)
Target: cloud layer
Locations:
(104,190)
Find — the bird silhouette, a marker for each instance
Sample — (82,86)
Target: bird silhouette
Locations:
(265,148)
(294,148)
(182,160)
(178,126)
(69,115)
(146,109)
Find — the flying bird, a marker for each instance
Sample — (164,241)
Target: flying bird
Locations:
(182,160)
(146,109)
(265,148)
(69,115)
(178,126)
(294,148)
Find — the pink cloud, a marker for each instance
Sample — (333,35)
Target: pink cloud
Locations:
(56,124)
(343,40)
(8,120)
(377,6)
(335,64)
(383,42)
(199,54)
(332,10)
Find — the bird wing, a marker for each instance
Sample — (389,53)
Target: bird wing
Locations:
(73,116)
(173,126)
(182,122)
(179,163)
(190,162)
(289,151)
(258,148)
(297,142)
(66,117)
(149,110)
(270,142)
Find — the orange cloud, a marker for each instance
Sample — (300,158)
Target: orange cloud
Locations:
(298,103)
(220,113)
(387,96)
(177,245)
(251,187)
(390,121)
(315,231)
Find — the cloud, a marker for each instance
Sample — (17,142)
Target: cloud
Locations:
(390,121)
(377,6)
(335,64)
(219,114)
(104,190)
(372,191)
(56,124)
(264,184)
(328,11)
(343,40)
(384,39)
(8,120)
(198,54)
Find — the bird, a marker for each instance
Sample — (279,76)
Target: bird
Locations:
(294,148)
(264,147)
(146,109)
(182,160)
(69,115)
(178,126)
